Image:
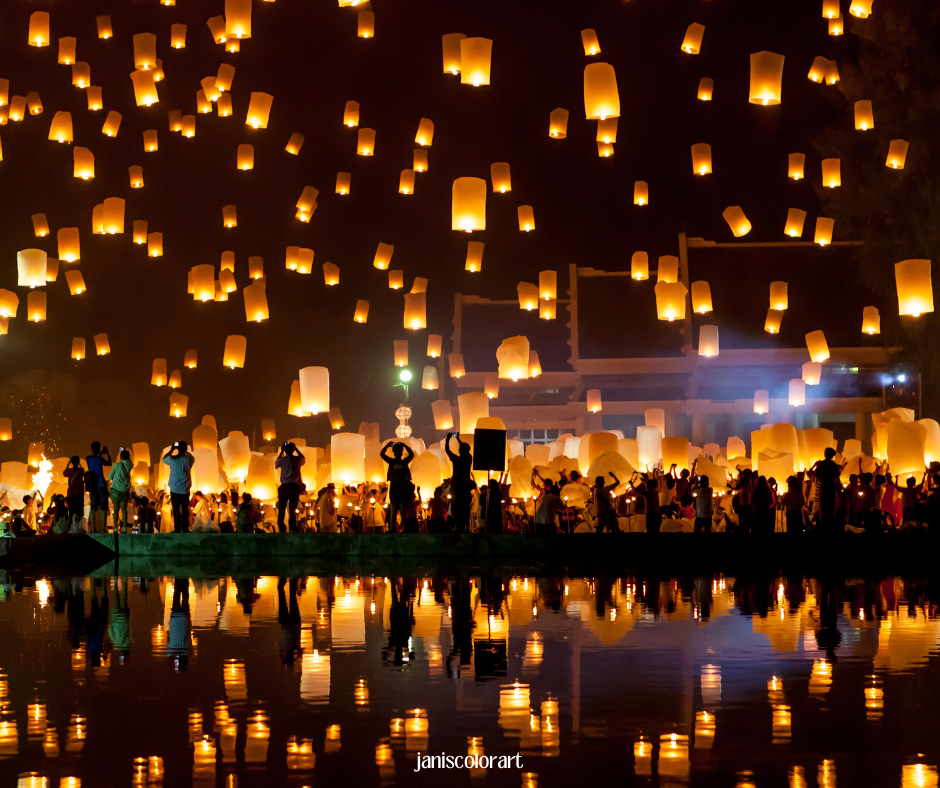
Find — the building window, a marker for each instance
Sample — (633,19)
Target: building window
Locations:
(529,437)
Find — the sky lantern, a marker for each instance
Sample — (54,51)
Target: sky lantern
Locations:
(475,56)
(897,154)
(736,220)
(383,256)
(259,110)
(861,8)
(708,341)
(593,401)
(347,457)
(203,283)
(221,294)
(435,341)
(315,389)
(443,415)
(832,173)
(34,103)
(670,300)
(601,97)
(526,218)
(93,92)
(361,314)
(111,124)
(830,9)
(17,108)
(451,50)
(229,216)
(335,415)
(81,74)
(69,250)
(468,204)
(472,406)
(150,141)
(290,262)
(75,281)
(796,394)
(66,51)
(420,162)
(97,219)
(706,87)
(217,28)
(812,373)
(145,89)
(158,74)
(175,118)
(667,269)
(245,157)
(145,51)
(256,302)
(864,119)
(223,106)
(227,282)
(210,91)
(823,70)
(641,193)
(589,42)
(474,256)
(103,24)
(701,158)
(824,229)
(31,268)
(817,346)
(255,267)
(154,244)
(365,142)
(178,36)
(343,182)
(39,29)
(234,355)
(548,284)
(36,306)
(178,405)
(224,77)
(558,123)
(158,376)
(40,225)
(83,163)
(415,311)
(794,225)
(547,309)
(304,260)
(499,175)
(366,25)
(52,269)
(607,132)
(113,215)
(78,348)
(60,130)
(692,43)
(203,105)
(491,385)
(136,176)
(238,18)
(455,365)
(420,285)
(188,126)
(796,163)
(351,114)
(295,143)
(406,182)
(871,321)
(915,289)
(701,297)
(778,296)
(330,274)
(401,352)
(396,279)
(232,45)
(9,303)
(528,295)
(640,266)
(837,26)
(268,430)
(102,346)
(766,78)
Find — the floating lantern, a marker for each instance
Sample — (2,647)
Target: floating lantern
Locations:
(83,163)
(145,51)
(178,36)
(191,359)
(823,70)
(590,42)
(474,256)
(294,408)
(17,108)
(692,43)
(641,193)
(836,26)
(210,92)
(150,141)
(915,290)
(897,154)
(547,309)
(817,347)
(861,8)
(175,379)
(548,284)
(796,395)
(491,385)
(9,303)
(706,88)
(455,364)
(871,320)
(451,49)
(102,347)
(513,358)
(245,157)
(75,282)
(468,204)
(830,9)
(69,250)
(499,175)
(315,390)
(232,45)
(31,268)
(36,306)
(145,89)
(224,105)
(238,18)
(111,124)
(295,143)
(528,296)
(259,110)
(420,285)
(864,119)
(158,376)
(34,103)
(52,269)
(304,260)
(136,174)
(234,355)
(601,97)
(593,401)
(472,407)
(558,123)
(406,182)
(158,74)
(766,78)
(701,297)
(342,182)
(40,225)
(415,311)
(78,348)
(526,218)
(203,283)
(229,216)
(94,98)
(175,118)
(203,105)
(361,314)
(425,132)
(708,341)
(178,405)
(6,430)
(330,274)
(104,26)
(154,244)
(401,352)
(188,126)
(351,114)
(824,229)
(435,341)
(228,261)
(649,442)
(701,158)
(66,51)
(778,296)
(475,56)
(736,220)
(97,219)
(667,269)
(795,220)
(773,321)
(220,294)
(39,29)
(443,415)
(605,150)
(640,266)
(832,173)
(812,373)
(336,418)
(256,302)
(535,366)
(366,24)
(395,280)
(113,215)
(255,267)
(670,300)
(216,26)
(420,163)
(365,145)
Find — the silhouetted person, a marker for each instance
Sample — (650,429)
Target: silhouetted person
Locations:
(75,493)
(827,477)
(181,482)
(828,636)
(763,502)
(704,506)
(400,489)
(400,619)
(793,502)
(461,482)
(289,461)
(97,488)
(603,507)
(180,637)
(288,616)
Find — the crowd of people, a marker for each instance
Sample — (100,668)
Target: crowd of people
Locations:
(654,501)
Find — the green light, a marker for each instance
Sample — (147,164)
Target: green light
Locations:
(404,375)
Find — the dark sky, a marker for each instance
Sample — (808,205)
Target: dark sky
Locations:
(307,54)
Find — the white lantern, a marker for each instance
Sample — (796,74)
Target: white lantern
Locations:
(347,457)
(468,204)
(797,393)
(513,358)
(601,97)
(473,405)
(315,389)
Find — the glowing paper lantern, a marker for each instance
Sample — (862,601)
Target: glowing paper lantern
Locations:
(773,321)
(224,105)
(145,90)
(227,283)
(39,29)
(259,110)
(420,163)
(342,182)
(605,149)
(365,144)
(906,446)
(150,141)
(455,364)
(111,124)
(701,297)
(69,249)
(641,193)
(649,441)
(513,358)
(188,126)
(102,346)
(94,98)
(140,231)
(472,406)
(706,87)
(330,274)
(736,220)
(158,376)
(864,118)
(640,266)
(136,174)
(601,97)
(914,286)
(83,163)
(229,216)
(113,215)
(429,379)
(401,353)
(675,451)
(31,268)
(295,143)
(103,24)
(766,78)
(667,269)
(528,295)
(366,24)
(336,418)
(178,36)
(40,225)
(36,306)
(692,43)
(871,320)
(75,282)
(796,395)
(468,204)
(558,123)
(415,311)
(451,52)
(817,346)
(78,348)
(434,345)
(234,355)
(256,302)
(9,303)
(315,389)
(255,267)
(245,158)
(66,51)
(34,103)
(701,158)
(832,173)
(362,312)
(395,280)
(60,130)
(547,309)
(824,70)
(836,26)
(794,225)
(824,228)
(548,284)
(593,401)
(17,108)
(475,56)
(708,341)
(203,281)
(590,42)
(154,244)
(526,218)
(406,182)
(443,415)
(190,360)
(238,18)
(425,131)
(351,114)
(670,300)
(778,296)
(347,457)
(499,175)
(474,256)
(861,8)
(812,373)
(535,366)
(897,154)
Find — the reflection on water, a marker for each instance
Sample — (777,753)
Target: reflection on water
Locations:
(345,680)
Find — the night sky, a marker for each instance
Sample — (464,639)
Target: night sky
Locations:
(308,56)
